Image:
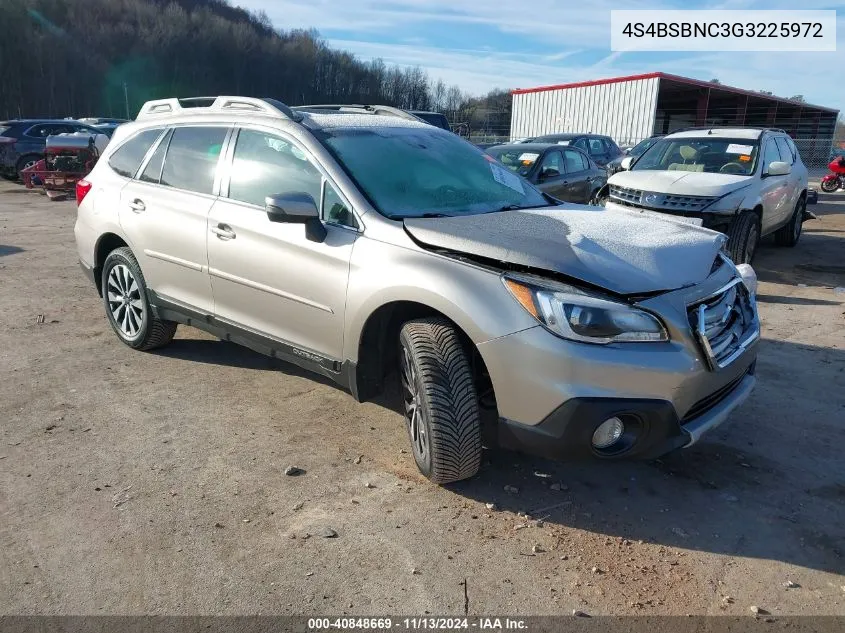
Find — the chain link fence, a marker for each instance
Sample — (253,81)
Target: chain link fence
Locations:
(816,153)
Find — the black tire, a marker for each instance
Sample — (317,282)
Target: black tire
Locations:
(144,332)
(433,361)
(25,160)
(7,176)
(743,237)
(829,186)
(789,234)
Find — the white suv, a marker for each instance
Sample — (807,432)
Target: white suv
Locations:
(746,183)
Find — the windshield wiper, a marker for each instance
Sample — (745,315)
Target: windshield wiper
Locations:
(422,215)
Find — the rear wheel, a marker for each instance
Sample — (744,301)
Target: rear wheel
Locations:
(790,233)
(440,402)
(127,308)
(743,236)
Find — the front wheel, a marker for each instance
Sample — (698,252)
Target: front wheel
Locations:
(743,236)
(440,402)
(127,308)
(25,162)
(829,185)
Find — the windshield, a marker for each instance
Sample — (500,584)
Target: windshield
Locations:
(704,154)
(416,172)
(642,146)
(519,161)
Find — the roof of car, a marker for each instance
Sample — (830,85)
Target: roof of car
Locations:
(719,132)
(334,120)
(33,121)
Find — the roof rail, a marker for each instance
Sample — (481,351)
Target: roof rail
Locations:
(693,128)
(207,105)
(357,108)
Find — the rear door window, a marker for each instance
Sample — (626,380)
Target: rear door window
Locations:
(192,157)
(573,160)
(127,158)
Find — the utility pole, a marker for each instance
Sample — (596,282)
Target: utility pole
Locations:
(126,99)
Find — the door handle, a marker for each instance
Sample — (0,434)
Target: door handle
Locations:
(137,205)
(223,232)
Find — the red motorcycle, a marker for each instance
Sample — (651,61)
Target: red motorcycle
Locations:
(836,180)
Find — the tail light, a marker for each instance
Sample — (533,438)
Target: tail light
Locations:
(6,140)
(82,189)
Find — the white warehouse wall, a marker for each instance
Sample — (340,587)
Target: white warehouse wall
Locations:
(623,110)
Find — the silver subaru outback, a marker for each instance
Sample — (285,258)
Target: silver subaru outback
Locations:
(359,242)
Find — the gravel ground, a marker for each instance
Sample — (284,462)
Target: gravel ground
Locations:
(136,483)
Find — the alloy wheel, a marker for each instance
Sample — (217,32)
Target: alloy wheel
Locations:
(412,400)
(124,299)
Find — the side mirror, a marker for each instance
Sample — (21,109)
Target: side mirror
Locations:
(296,207)
(778,168)
(627,163)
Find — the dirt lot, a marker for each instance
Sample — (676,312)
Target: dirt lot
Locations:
(154,482)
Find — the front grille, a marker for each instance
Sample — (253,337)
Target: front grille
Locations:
(658,201)
(705,404)
(725,324)
(626,195)
(685,203)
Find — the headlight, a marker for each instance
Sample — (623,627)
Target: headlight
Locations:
(575,315)
(728,203)
(749,278)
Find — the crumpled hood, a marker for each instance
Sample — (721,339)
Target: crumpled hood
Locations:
(684,183)
(625,252)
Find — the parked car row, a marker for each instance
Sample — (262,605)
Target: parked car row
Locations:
(22,141)
(510,318)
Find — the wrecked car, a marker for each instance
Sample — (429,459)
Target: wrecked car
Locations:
(363,246)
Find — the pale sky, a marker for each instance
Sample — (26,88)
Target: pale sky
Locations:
(481,45)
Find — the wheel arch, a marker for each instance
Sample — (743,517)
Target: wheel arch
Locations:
(377,355)
(106,243)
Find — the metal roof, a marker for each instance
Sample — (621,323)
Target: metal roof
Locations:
(677,79)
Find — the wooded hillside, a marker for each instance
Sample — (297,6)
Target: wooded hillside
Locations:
(72,58)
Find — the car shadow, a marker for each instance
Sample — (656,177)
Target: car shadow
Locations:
(9,250)
(769,484)
(799,301)
(813,262)
(224,353)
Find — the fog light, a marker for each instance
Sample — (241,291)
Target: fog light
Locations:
(608,433)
